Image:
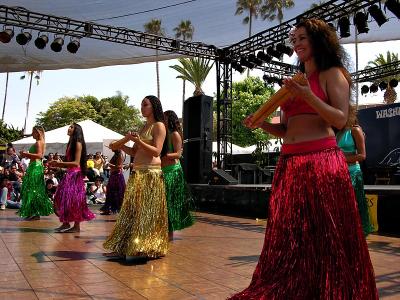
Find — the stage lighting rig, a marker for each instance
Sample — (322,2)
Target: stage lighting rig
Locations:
(377,14)
(6,35)
(73,46)
(23,38)
(394,7)
(364,89)
(57,44)
(360,21)
(344,27)
(41,41)
(373,88)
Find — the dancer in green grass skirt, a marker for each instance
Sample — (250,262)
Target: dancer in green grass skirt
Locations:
(35,202)
(179,201)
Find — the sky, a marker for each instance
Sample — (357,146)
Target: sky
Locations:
(135,81)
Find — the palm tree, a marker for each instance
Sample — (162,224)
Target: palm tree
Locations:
(315,5)
(390,94)
(31,75)
(154,27)
(272,10)
(194,70)
(185,31)
(253,9)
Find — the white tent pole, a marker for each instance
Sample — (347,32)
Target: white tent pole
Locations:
(5,98)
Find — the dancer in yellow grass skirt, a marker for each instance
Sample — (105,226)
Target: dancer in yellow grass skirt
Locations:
(142,225)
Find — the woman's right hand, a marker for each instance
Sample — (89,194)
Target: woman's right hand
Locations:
(248,122)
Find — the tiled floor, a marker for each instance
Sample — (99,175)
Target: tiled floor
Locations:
(211,260)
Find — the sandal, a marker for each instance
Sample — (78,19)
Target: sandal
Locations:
(61,228)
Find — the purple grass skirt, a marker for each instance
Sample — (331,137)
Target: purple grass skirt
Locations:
(314,246)
(115,191)
(70,198)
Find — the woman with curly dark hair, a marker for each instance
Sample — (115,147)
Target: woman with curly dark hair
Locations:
(142,225)
(70,198)
(179,201)
(314,245)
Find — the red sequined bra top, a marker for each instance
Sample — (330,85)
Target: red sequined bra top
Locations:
(298,106)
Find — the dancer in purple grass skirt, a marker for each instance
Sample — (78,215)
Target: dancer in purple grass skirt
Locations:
(116,185)
(70,198)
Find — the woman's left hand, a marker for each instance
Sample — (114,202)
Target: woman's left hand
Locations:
(296,89)
(22,153)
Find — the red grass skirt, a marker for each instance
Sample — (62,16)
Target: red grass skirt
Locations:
(314,245)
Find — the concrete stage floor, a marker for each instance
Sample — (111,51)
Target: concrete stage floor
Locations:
(211,260)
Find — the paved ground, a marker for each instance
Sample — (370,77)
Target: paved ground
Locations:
(211,260)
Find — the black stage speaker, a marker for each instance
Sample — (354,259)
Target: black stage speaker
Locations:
(197,138)
(221,177)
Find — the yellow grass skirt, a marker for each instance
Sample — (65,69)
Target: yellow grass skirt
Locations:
(141,228)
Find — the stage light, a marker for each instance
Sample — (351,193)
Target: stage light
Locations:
(393,82)
(377,14)
(394,7)
(57,44)
(383,85)
(360,20)
(73,46)
(236,66)
(6,35)
(271,51)
(264,57)
(245,62)
(373,88)
(279,81)
(253,59)
(41,41)
(364,89)
(285,49)
(344,27)
(23,38)
(175,44)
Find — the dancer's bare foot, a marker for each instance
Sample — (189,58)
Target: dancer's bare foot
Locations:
(62,227)
(113,254)
(71,230)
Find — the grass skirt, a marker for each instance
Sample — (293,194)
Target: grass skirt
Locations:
(35,201)
(141,228)
(362,203)
(115,192)
(314,247)
(70,198)
(179,201)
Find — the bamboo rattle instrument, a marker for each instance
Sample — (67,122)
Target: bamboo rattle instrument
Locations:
(276,100)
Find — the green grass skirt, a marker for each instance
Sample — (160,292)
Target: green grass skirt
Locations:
(34,199)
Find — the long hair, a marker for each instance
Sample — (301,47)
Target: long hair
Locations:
(41,132)
(327,50)
(77,136)
(158,116)
(172,122)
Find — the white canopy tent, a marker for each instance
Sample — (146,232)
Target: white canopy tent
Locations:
(97,138)
(214,21)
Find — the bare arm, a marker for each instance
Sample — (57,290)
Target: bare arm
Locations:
(177,143)
(39,146)
(158,140)
(70,164)
(360,155)
(338,92)
(278,130)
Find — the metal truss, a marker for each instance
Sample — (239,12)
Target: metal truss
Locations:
(375,73)
(329,11)
(22,18)
(224,114)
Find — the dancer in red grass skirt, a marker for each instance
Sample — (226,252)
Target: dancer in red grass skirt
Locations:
(314,245)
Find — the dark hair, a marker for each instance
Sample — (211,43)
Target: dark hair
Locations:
(172,123)
(49,181)
(158,116)
(327,50)
(77,136)
(99,178)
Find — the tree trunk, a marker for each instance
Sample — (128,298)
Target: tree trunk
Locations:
(5,98)
(27,101)
(183,97)
(390,95)
(158,75)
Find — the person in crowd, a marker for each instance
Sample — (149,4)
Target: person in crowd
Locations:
(12,159)
(51,189)
(116,185)
(90,162)
(70,198)
(35,202)
(53,177)
(107,168)
(178,197)
(314,247)
(352,142)
(6,199)
(141,228)
(15,177)
(99,163)
(97,191)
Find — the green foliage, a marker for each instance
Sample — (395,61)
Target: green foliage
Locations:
(381,60)
(194,70)
(184,30)
(273,9)
(8,133)
(112,112)
(247,96)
